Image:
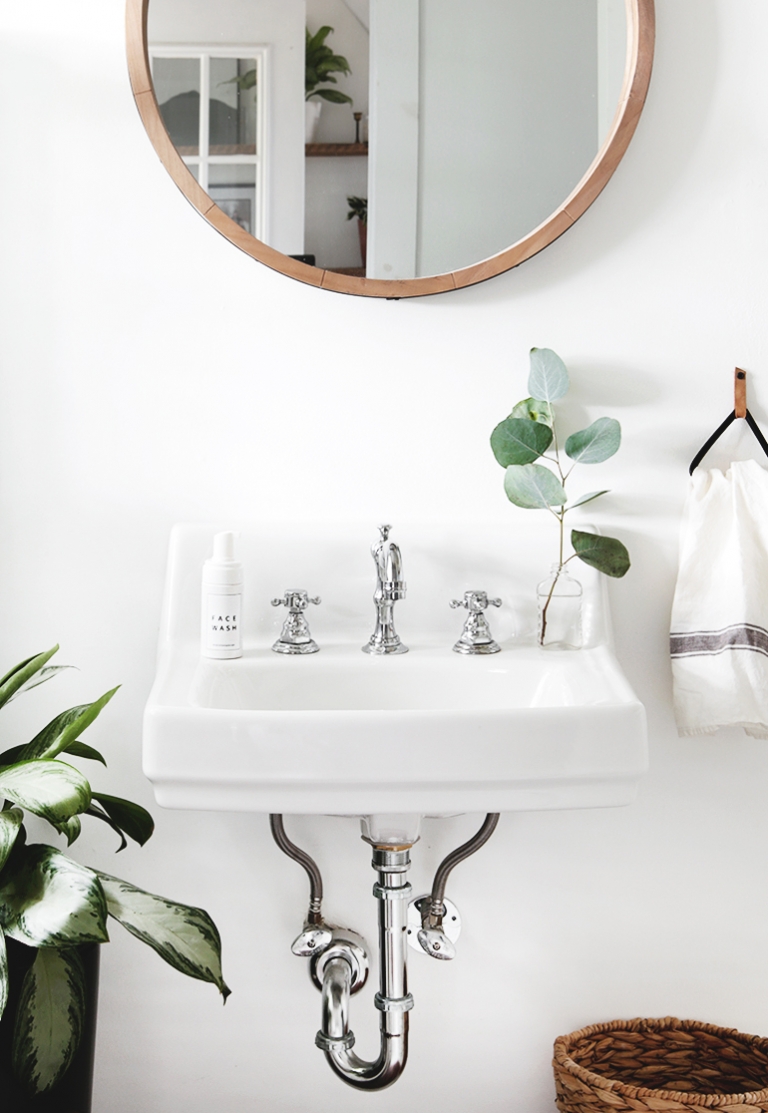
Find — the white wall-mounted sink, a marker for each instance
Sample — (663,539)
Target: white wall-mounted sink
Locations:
(429,732)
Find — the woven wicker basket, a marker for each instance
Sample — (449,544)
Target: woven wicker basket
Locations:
(660,1065)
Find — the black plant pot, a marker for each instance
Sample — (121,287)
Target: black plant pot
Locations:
(72,1094)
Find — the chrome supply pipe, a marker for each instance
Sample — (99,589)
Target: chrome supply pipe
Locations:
(393,1000)
(315,935)
(432,937)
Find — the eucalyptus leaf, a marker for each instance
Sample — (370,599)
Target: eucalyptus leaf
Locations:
(48,900)
(585,498)
(50,1018)
(606,554)
(185,937)
(533,487)
(534,410)
(51,789)
(519,441)
(20,674)
(130,818)
(548,378)
(10,824)
(596,443)
(65,729)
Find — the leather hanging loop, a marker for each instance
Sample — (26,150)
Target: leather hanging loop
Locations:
(739,392)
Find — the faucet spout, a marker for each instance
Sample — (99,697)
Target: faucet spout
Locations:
(390,587)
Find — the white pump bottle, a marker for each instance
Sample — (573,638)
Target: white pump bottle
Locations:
(222,601)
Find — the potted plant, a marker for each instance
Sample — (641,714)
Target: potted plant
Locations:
(519,442)
(54,911)
(320,65)
(358,207)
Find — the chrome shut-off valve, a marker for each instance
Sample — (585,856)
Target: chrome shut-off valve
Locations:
(476,636)
(295,636)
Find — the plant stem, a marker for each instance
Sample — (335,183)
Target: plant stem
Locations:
(560,515)
(544,609)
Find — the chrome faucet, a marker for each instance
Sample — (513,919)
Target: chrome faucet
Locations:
(389,588)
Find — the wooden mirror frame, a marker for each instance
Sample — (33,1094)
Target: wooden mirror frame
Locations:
(637,75)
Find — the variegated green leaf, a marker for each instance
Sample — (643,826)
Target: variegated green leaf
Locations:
(3,974)
(548,377)
(47,900)
(50,1018)
(533,487)
(70,828)
(10,822)
(128,817)
(185,937)
(51,789)
(64,729)
(14,680)
(82,749)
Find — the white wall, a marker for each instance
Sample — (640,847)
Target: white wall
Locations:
(150,374)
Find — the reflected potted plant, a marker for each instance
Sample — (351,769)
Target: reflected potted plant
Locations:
(54,911)
(320,65)
(358,207)
(520,442)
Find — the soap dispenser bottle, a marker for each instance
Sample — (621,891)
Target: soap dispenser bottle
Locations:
(222,601)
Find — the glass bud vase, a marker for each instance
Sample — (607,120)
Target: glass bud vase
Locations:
(559,600)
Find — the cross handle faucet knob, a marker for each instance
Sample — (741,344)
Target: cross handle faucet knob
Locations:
(475,601)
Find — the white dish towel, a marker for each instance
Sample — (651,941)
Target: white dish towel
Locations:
(719,629)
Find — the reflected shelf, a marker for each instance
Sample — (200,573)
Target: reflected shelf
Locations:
(335,150)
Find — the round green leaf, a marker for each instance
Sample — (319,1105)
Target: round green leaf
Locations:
(534,410)
(585,498)
(606,554)
(533,487)
(519,441)
(596,443)
(548,378)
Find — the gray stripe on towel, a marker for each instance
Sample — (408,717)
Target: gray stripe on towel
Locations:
(702,643)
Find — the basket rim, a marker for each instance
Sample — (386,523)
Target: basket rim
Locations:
(562,1060)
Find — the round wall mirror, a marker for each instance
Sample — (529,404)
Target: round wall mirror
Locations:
(390,148)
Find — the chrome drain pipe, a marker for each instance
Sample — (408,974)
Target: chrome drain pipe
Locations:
(336,971)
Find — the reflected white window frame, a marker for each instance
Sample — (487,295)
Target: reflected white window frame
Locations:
(203,53)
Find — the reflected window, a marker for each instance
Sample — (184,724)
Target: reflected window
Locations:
(213,102)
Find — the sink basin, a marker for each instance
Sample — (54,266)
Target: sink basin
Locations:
(430,732)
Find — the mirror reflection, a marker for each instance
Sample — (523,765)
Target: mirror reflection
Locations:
(425,136)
